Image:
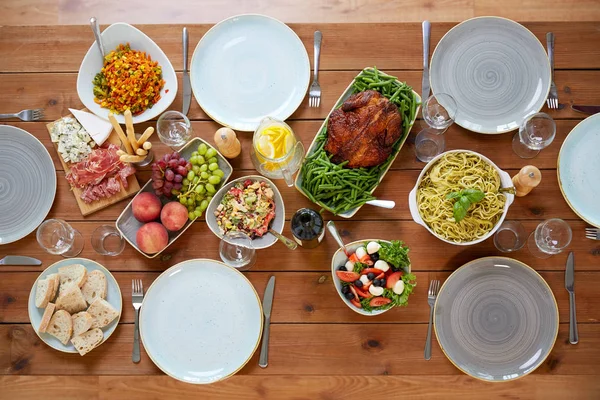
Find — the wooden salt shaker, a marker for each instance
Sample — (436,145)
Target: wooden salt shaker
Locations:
(227,143)
(527,178)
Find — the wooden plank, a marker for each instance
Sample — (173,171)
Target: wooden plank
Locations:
(295,349)
(346,46)
(29,12)
(52,387)
(549,10)
(309,297)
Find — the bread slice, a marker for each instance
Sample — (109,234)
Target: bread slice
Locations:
(102,312)
(61,326)
(56,279)
(82,322)
(46,317)
(71,301)
(43,291)
(95,286)
(71,275)
(88,341)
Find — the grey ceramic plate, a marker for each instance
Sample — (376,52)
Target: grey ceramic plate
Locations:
(267,239)
(496,70)
(496,319)
(27,183)
(128,225)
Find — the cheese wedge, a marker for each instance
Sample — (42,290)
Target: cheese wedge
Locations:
(98,128)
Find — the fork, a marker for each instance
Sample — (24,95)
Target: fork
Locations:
(552,100)
(26,115)
(137,296)
(592,233)
(434,287)
(314,94)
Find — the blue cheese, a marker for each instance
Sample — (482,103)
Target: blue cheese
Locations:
(74,143)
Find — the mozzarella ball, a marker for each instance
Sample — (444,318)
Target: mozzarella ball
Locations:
(373,247)
(361,252)
(364,279)
(399,287)
(376,290)
(382,265)
(349,265)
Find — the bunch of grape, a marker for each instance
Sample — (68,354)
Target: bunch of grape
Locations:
(201,182)
(168,174)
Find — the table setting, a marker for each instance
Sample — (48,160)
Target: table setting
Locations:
(309,199)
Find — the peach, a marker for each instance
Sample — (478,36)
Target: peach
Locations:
(173,216)
(146,207)
(152,237)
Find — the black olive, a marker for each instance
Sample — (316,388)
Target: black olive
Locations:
(382,282)
(342,268)
(371,276)
(358,283)
(376,282)
(345,289)
(349,295)
(374,256)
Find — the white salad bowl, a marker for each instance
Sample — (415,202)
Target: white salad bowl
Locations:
(505,182)
(112,37)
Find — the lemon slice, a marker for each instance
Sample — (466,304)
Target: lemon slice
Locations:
(266,147)
(289,142)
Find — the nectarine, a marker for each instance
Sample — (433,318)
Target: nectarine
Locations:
(146,207)
(152,237)
(173,216)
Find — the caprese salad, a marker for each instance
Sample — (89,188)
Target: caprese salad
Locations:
(376,276)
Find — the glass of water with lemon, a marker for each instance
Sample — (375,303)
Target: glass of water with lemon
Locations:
(277,152)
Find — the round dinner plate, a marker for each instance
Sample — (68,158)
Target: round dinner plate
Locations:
(496,70)
(579,169)
(249,67)
(201,321)
(496,319)
(27,183)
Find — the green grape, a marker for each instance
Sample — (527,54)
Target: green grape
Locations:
(191,215)
(203,205)
(219,173)
(194,160)
(204,175)
(214,179)
(203,168)
(194,154)
(196,180)
(209,197)
(183,200)
(190,202)
(190,208)
(196,169)
(213,160)
(186,181)
(200,160)
(198,213)
(213,166)
(199,197)
(202,149)
(191,175)
(210,188)
(175,192)
(199,189)
(211,153)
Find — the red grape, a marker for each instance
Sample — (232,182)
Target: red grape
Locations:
(189,166)
(169,175)
(158,192)
(175,155)
(178,178)
(165,158)
(157,184)
(168,186)
(162,164)
(177,186)
(172,164)
(182,161)
(181,170)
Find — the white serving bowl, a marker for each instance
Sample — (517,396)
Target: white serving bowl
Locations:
(113,36)
(505,182)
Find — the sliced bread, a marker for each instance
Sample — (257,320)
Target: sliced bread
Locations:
(82,322)
(102,312)
(71,275)
(56,279)
(61,326)
(71,301)
(46,317)
(95,286)
(43,291)
(87,341)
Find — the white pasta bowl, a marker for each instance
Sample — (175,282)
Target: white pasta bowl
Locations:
(505,182)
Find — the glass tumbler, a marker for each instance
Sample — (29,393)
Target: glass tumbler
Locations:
(174,129)
(510,236)
(236,250)
(439,112)
(58,237)
(107,240)
(536,132)
(549,238)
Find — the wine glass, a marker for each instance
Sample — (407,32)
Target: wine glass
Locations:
(58,237)
(535,133)
(107,240)
(439,112)
(236,250)
(549,238)
(510,236)
(174,128)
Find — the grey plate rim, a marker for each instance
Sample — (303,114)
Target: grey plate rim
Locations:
(43,214)
(489,17)
(466,265)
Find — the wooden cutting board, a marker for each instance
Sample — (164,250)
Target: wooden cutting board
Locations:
(89,208)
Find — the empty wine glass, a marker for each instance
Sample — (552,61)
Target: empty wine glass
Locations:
(107,240)
(174,128)
(58,237)
(536,132)
(549,238)
(439,112)
(236,250)
(510,236)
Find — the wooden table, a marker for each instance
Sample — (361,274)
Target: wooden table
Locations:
(319,348)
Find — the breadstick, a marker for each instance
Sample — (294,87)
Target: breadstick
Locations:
(147,146)
(121,152)
(145,136)
(120,132)
(129,129)
(141,152)
(133,159)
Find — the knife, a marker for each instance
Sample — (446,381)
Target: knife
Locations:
(425,83)
(187,87)
(586,109)
(570,286)
(263,361)
(20,260)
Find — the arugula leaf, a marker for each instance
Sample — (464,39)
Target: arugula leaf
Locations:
(366,306)
(358,267)
(394,253)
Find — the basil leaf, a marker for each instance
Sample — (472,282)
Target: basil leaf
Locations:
(460,211)
(453,195)
(474,195)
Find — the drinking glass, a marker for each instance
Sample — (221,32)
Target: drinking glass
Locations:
(550,237)
(510,236)
(535,133)
(58,237)
(174,128)
(107,240)
(439,112)
(236,250)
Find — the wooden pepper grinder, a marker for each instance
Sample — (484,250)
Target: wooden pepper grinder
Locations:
(228,143)
(527,178)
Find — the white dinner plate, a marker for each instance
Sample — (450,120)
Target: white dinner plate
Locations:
(201,321)
(496,70)
(27,183)
(249,67)
(113,296)
(579,169)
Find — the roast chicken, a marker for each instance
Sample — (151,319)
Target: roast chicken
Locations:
(363,130)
